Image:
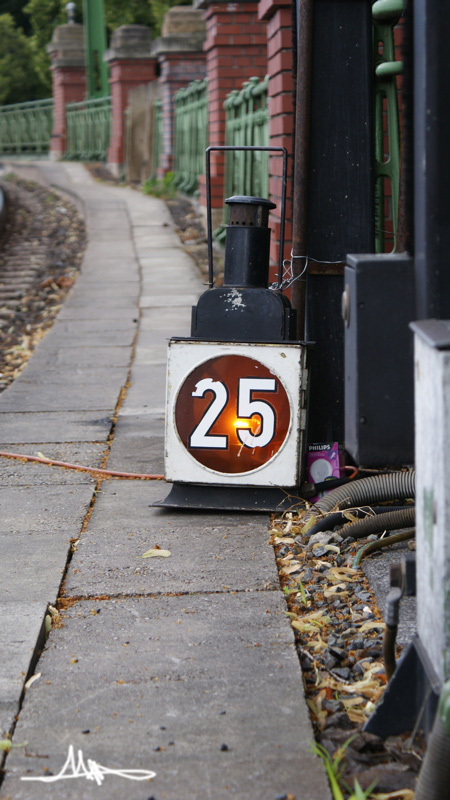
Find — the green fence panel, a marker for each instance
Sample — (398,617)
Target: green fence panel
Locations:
(88,129)
(191,135)
(26,128)
(247,124)
(386,14)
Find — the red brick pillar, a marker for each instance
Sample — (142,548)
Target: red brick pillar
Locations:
(66,51)
(181,60)
(278,15)
(130,64)
(236,49)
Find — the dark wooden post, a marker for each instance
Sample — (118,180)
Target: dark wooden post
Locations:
(340,194)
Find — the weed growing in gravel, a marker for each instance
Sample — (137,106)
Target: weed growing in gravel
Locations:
(164,188)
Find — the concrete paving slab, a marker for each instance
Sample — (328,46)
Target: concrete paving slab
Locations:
(67,426)
(92,325)
(164,258)
(153,301)
(123,249)
(105,289)
(99,263)
(37,509)
(157,318)
(147,387)
(77,376)
(102,313)
(33,566)
(21,628)
(111,337)
(87,299)
(167,672)
(82,358)
(148,356)
(115,498)
(203,557)
(114,219)
(95,280)
(61,396)
(155,286)
(19,473)
(109,231)
(141,441)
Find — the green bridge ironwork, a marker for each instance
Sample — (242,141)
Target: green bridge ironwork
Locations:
(247,123)
(191,135)
(26,128)
(88,129)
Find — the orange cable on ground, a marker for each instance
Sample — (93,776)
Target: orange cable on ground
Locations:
(105,473)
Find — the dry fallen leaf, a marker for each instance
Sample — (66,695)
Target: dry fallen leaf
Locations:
(290,569)
(339,574)
(368,626)
(337,589)
(31,680)
(153,553)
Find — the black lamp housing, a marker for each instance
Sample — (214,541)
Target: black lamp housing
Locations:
(244,308)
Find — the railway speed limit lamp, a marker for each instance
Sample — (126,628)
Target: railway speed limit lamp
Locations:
(236,388)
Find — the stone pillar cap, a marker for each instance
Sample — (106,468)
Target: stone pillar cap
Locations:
(67,45)
(183,21)
(129,41)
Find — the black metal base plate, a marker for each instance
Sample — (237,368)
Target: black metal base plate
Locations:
(411,697)
(230,498)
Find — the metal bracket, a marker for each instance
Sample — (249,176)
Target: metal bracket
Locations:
(411,697)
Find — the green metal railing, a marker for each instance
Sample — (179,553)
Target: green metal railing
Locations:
(88,129)
(247,123)
(191,135)
(26,127)
(157,136)
(386,14)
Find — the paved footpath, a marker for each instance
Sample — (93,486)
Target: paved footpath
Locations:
(184,666)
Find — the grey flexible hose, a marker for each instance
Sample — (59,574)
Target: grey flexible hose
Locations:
(393,520)
(376,489)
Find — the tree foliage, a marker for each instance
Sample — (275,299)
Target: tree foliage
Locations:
(27,30)
(15,8)
(18,78)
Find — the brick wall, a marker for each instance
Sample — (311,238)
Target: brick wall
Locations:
(236,49)
(278,17)
(69,86)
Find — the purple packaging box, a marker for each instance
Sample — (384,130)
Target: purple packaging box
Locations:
(324,461)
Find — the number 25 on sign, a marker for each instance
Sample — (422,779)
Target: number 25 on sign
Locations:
(234,413)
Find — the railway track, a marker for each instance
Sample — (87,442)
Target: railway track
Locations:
(41,248)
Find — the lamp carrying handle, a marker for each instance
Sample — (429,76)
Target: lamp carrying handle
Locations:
(282,151)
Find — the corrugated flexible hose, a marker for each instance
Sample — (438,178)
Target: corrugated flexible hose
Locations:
(376,489)
(392,521)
